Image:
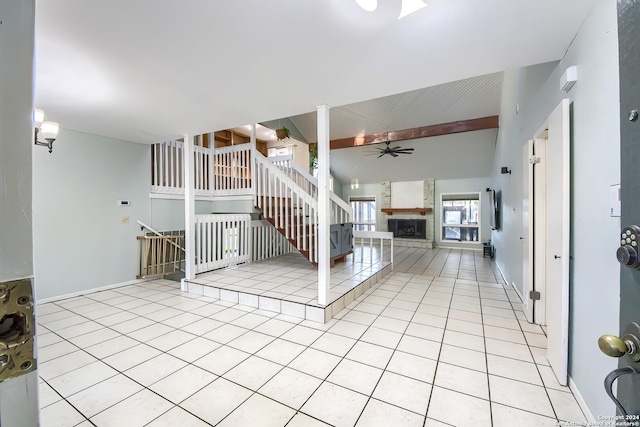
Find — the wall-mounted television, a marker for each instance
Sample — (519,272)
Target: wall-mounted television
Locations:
(495,209)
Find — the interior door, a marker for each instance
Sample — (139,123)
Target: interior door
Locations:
(527,230)
(539,246)
(557,238)
(628,392)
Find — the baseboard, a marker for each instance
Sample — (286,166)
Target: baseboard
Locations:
(504,279)
(456,247)
(88,291)
(581,401)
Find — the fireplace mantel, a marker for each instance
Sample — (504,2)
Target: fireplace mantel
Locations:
(391,211)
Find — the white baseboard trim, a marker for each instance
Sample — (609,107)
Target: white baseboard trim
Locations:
(436,246)
(581,401)
(89,291)
(504,279)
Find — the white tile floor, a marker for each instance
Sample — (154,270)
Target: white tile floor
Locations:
(437,342)
(293,278)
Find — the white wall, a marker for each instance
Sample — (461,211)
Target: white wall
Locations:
(465,185)
(18,396)
(594,287)
(16,139)
(232,206)
(168,214)
(300,151)
(79,241)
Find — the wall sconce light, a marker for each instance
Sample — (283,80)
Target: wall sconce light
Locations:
(505,170)
(48,130)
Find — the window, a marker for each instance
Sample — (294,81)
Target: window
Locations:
(364,213)
(460,219)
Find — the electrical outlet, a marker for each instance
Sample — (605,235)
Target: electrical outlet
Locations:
(124,219)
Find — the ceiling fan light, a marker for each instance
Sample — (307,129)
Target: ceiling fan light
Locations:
(410,6)
(368,5)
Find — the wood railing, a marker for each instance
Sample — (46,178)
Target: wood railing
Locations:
(285,193)
(160,255)
(232,170)
(363,240)
(228,171)
(219,171)
(221,241)
(341,211)
(167,168)
(267,242)
(287,206)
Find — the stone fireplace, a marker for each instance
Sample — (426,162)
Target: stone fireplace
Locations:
(418,231)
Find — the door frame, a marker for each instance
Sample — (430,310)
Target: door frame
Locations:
(549,254)
(557,238)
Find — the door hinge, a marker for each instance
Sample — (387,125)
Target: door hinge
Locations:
(534,295)
(535,159)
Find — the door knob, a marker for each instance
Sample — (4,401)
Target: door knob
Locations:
(614,346)
(629,344)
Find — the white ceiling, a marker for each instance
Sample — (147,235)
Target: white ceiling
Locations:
(461,155)
(149,70)
(466,99)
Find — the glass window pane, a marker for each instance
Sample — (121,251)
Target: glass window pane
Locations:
(364,215)
(464,211)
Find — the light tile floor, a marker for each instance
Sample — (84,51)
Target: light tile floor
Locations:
(435,343)
(293,278)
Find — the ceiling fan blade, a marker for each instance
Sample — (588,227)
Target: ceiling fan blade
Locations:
(382,154)
(394,154)
(404,150)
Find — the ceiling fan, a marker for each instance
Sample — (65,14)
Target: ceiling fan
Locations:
(392,151)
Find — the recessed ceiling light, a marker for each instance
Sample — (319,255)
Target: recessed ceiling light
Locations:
(368,5)
(410,6)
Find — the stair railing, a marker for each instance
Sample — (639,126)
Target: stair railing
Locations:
(286,205)
(341,211)
(267,242)
(232,170)
(160,254)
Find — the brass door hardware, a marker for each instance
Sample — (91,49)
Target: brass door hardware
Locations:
(629,344)
(17,327)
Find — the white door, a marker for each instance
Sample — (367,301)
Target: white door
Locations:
(557,237)
(527,230)
(540,248)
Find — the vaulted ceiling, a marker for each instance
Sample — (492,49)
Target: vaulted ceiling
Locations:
(148,70)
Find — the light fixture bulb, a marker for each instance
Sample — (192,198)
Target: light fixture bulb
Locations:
(38,117)
(410,6)
(49,130)
(368,5)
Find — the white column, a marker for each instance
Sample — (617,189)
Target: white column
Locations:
(324,208)
(189,210)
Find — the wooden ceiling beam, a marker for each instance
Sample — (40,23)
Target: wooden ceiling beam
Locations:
(483,123)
